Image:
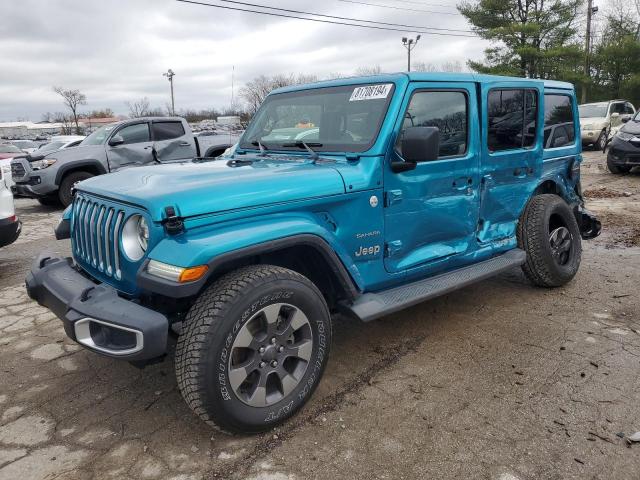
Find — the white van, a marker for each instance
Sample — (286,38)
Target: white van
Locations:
(10,225)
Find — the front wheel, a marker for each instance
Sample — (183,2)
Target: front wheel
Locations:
(65,194)
(548,232)
(601,141)
(253,348)
(615,169)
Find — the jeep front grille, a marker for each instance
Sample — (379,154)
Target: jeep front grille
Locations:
(96,234)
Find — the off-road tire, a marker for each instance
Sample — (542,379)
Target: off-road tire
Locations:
(542,215)
(616,169)
(67,183)
(205,346)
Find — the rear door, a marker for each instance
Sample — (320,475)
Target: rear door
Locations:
(172,140)
(431,212)
(134,151)
(511,155)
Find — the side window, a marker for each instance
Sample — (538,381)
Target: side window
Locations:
(512,116)
(135,133)
(167,130)
(558,121)
(445,110)
(617,108)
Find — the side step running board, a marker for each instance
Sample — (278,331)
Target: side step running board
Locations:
(374,305)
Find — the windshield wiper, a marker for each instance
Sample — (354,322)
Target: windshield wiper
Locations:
(263,149)
(301,144)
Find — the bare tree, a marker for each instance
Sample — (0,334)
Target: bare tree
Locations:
(72,99)
(374,70)
(451,67)
(66,121)
(255,91)
(139,108)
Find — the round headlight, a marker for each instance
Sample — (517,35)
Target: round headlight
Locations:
(135,237)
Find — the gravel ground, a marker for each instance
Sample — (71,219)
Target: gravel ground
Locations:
(499,380)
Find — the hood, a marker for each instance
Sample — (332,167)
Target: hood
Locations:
(80,152)
(211,187)
(631,127)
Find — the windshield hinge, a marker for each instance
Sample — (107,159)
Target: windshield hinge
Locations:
(391,197)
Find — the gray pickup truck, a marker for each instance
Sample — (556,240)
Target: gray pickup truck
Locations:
(131,143)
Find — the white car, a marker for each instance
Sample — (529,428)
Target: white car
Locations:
(58,143)
(602,120)
(27,146)
(10,225)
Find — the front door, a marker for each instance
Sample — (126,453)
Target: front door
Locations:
(511,156)
(431,212)
(136,149)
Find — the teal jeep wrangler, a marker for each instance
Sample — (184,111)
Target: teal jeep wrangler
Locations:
(361,196)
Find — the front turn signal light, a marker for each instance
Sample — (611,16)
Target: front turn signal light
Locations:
(192,274)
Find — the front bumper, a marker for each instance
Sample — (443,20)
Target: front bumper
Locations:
(590,226)
(94,315)
(34,188)
(10,229)
(624,153)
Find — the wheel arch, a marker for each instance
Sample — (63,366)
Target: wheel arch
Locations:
(92,166)
(305,253)
(216,149)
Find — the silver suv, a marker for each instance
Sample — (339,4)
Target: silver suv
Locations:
(601,120)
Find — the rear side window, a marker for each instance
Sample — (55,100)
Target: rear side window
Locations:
(167,130)
(512,115)
(442,109)
(137,133)
(559,129)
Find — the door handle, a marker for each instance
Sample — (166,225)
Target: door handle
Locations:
(462,183)
(185,144)
(520,172)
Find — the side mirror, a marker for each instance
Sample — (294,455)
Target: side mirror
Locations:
(420,144)
(116,140)
(625,118)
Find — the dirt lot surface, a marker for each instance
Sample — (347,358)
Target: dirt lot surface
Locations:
(497,381)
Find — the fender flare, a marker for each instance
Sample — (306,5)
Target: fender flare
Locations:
(222,147)
(174,290)
(77,165)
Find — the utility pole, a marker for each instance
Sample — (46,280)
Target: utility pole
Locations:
(410,44)
(587,49)
(170,74)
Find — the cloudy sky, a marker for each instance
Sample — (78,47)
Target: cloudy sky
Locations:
(116,51)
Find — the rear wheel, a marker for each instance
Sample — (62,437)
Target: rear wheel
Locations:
(253,348)
(548,232)
(67,184)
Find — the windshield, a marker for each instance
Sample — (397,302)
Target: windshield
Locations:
(587,111)
(50,147)
(99,136)
(24,144)
(340,119)
(5,148)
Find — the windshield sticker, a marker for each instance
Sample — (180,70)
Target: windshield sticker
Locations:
(371,92)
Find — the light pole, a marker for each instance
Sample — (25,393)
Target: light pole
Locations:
(169,74)
(409,44)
